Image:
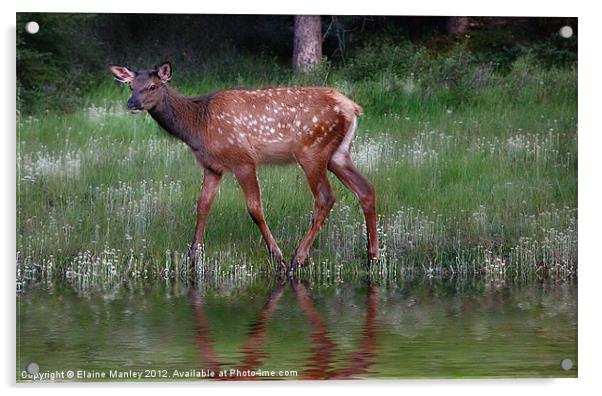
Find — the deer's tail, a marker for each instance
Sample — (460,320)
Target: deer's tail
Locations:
(357,108)
(349,106)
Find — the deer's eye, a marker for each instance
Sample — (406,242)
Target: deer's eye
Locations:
(152,87)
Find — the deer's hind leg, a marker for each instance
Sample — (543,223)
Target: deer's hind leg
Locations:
(324,199)
(342,166)
(344,169)
(247,178)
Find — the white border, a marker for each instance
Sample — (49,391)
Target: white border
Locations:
(337,7)
(589,180)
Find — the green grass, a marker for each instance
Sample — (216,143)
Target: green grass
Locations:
(477,177)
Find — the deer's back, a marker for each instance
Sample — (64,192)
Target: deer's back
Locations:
(276,125)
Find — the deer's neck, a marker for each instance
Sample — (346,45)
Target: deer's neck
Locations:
(182,117)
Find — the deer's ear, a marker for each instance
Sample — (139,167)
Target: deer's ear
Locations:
(122,73)
(164,71)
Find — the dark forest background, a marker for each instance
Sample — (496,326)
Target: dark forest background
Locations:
(70,53)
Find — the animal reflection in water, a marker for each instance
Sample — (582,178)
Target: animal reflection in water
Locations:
(322,358)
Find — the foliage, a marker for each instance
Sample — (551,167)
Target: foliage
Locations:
(556,51)
(53,65)
(69,54)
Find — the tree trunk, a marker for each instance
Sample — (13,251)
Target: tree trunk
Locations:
(457,24)
(307,49)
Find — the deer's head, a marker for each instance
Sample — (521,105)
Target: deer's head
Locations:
(147,86)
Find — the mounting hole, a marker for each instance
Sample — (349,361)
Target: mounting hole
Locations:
(566,364)
(566,31)
(32,368)
(32,27)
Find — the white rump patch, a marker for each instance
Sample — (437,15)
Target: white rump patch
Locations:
(344,149)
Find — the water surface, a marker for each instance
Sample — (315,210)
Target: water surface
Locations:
(291,329)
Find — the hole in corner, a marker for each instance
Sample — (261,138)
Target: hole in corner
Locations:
(566,31)
(32,368)
(566,364)
(32,27)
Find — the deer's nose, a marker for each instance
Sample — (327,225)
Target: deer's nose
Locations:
(133,104)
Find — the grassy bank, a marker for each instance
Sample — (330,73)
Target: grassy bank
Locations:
(475,171)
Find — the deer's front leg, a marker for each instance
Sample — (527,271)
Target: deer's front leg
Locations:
(247,178)
(211,182)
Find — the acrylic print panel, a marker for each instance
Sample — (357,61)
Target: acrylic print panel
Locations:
(429,231)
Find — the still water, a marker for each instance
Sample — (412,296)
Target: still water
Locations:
(292,329)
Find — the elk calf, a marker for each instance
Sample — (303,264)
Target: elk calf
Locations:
(236,130)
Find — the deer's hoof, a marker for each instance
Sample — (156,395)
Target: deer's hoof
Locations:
(373,258)
(192,249)
(280,270)
(276,255)
(297,261)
